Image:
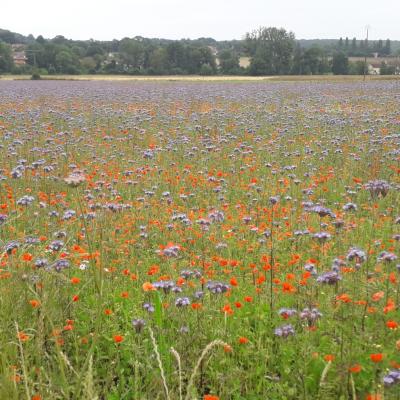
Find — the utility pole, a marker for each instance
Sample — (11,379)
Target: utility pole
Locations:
(34,55)
(366,52)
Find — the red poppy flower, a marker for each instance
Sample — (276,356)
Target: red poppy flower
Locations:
(210,397)
(377,357)
(355,369)
(329,357)
(392,324)
(118,338)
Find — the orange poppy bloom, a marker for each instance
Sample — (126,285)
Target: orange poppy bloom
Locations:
(392,324)
(378,296)
(27,257)
(68,327)
(390,306)
(34,303)
(227,348)
(154,269)
(374,397)
(377,357)
(147,286)
(355,369)
(261,279)
(227,309)
(288,288)
(233,281)
(118,338)
(22,336)
(345,298)
(392,277)
(395,364)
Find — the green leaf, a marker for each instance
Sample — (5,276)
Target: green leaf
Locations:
(158,317)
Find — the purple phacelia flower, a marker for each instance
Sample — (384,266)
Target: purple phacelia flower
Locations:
(148,307)
(310,315)
(182,302)
(378,188)
(322,236)
(287,312)
(284,331)
(392,378)
(357,255)
(387,257)
(217,287)
(330,277)
(138,324)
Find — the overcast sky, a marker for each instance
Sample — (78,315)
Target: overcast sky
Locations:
(220,19)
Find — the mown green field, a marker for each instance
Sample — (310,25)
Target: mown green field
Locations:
(197,78)
(200,239)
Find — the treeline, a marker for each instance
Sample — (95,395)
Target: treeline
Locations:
(129,56)
(270,51)
(275,51)
(360,48)
(134,56)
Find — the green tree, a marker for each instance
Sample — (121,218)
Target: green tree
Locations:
(387,49)
(66,62)
(356,68)
(206,70)
(40,39)
(93,49)
(228,62)
(196,56)
(6,60)
(312,60)
(354,46)
(176,57)
(158,62)
(387,69)
(89,65)
(379,46)
(340,63)
(271,51)
(298,60)
(132,54)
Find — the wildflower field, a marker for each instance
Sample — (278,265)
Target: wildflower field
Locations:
(199,240)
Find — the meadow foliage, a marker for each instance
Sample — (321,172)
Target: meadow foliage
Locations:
(194,240)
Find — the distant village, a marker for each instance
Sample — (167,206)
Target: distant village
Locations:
(19,54)
(374,64)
